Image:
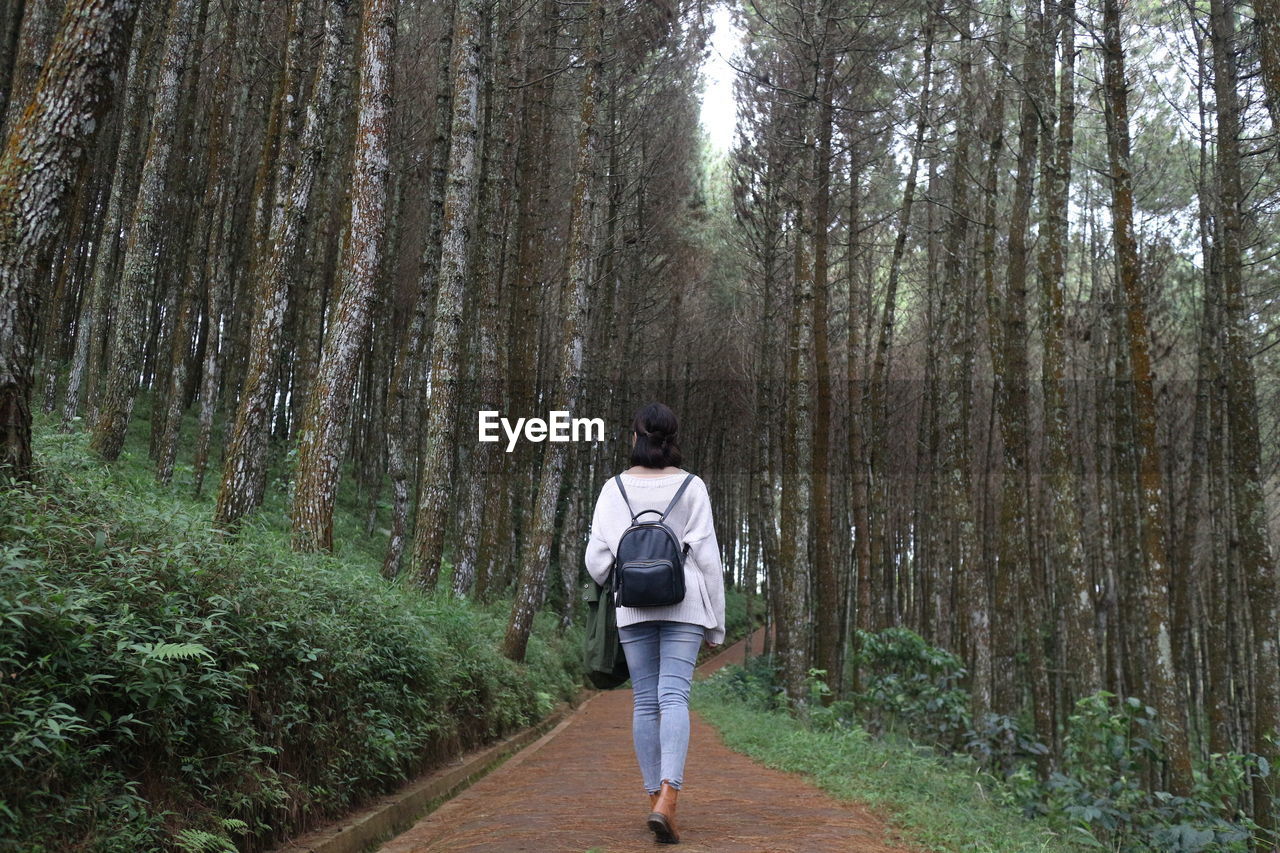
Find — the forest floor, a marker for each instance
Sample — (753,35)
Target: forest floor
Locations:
(578,789)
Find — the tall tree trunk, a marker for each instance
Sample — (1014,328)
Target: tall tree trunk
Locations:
(534,226)
(435,496)
(39,164)
(405,385)
(493,355)
(827,611)
(326,422)
(244,471)
(537,544)
(1153,585)
(1066,548)
(141,250)
(37,25)
(957,316)
(168,419)
(1014,580)
(797,472)
(502,241)
(855,371)
(1247,488)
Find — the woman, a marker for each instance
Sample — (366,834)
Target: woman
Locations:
(661,643)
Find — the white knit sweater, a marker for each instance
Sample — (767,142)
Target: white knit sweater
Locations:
(703,602)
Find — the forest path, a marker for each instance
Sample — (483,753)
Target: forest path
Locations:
(578,788)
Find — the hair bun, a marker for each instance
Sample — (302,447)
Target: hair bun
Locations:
(656,424)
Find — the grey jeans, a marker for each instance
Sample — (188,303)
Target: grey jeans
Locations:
(660,656)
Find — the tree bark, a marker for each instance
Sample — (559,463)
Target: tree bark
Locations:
(1247,487)
(579,287)
(405,383)
(827,650)
(39,164)
(139,269)
(435,496)
(37,24)
(167,418)
(325,424)
(1267,18)
(1152,587)
(1066,548)
(245,464)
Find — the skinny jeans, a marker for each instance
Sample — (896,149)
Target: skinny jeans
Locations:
(660,656)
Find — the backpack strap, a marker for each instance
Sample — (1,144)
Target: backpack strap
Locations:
(679,492)
(618,479)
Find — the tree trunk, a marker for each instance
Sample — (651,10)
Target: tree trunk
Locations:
(1247,487)
(245,464)
(405,384)
(435,496)
(39,164)
(10,28)
(579,287)
(479,560)
(1013,578)
(168,419)
(37,23)
(1066,548)
(325,425)
(797,473)
(827,601)
(1266,15)
(1152,587)
(139,269)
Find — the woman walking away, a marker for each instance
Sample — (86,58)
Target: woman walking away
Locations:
(660,640)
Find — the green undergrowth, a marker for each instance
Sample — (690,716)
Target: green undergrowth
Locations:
(164,689)
(942,802)
(905,740)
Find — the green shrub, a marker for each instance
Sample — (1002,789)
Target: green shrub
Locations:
(908,683)
(165,689)
(1110,744)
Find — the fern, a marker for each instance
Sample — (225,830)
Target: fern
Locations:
(199,841)
(172,651)
(231,824)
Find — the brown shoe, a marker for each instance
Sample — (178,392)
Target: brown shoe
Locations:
(662,820)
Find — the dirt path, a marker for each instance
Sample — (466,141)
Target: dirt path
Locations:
(578,788)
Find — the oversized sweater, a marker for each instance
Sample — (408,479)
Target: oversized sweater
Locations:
(703,602)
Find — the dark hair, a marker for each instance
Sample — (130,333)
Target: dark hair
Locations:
(655,426)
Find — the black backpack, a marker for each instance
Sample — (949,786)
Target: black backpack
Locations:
(650,561)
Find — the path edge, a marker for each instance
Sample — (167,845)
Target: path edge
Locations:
(395,813)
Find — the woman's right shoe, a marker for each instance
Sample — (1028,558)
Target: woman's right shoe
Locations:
(662,820)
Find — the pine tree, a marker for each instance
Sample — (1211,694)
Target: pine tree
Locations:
(39,164)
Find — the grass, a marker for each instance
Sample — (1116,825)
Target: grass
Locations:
(942,803)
